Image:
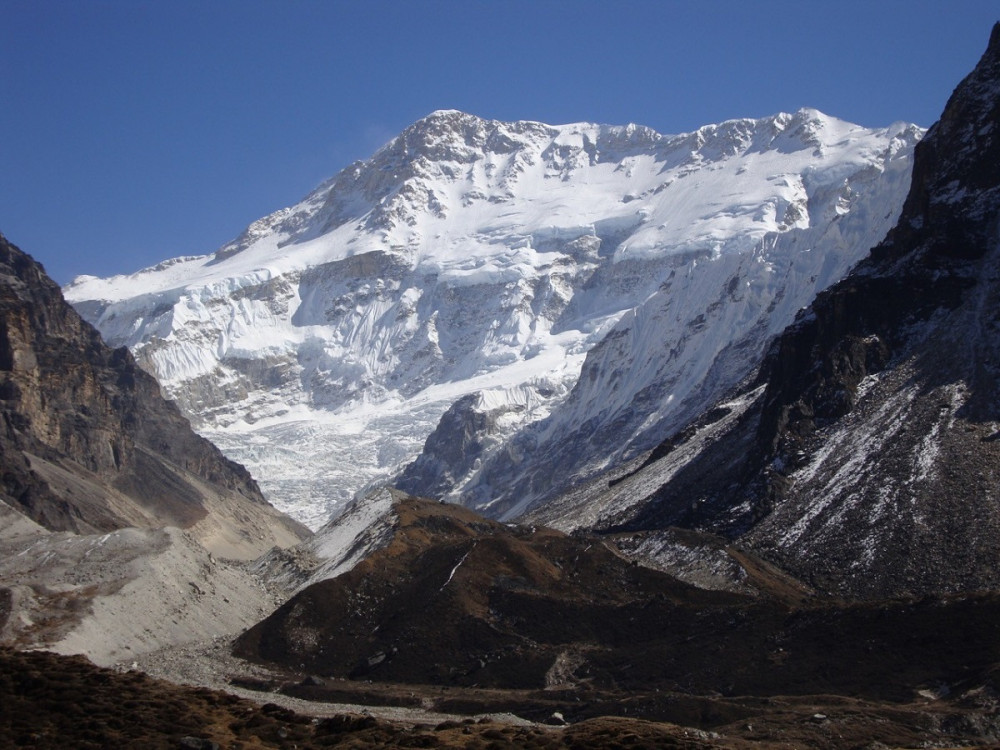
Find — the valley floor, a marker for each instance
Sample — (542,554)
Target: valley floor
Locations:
(56,701)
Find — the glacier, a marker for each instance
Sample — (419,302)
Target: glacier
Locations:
(491,263)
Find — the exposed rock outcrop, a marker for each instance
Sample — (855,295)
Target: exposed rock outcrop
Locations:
(457,446)
(88,444)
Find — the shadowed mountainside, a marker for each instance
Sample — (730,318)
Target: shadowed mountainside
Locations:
(868,465)
(120,529)
(88,443)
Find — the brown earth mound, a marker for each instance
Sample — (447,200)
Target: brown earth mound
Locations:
(456,598)
(461,602)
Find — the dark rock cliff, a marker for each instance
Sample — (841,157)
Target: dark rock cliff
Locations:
(870,465)
(451,451)
(929,264)
(87,443)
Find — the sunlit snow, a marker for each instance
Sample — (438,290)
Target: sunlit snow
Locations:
(321,347)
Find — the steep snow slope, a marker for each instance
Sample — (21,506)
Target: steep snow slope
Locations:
(321,347)
(702,330)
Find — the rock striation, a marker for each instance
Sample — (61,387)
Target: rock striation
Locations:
(89,444)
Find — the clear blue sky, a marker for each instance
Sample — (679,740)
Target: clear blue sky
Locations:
(136,130)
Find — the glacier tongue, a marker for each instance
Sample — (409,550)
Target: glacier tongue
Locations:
(321,347)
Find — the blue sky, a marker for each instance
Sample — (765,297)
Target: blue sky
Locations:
(134,131)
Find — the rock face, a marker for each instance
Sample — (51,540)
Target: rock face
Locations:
(365,526)
(474,263)
(455,450)
(88,443)
(869,463)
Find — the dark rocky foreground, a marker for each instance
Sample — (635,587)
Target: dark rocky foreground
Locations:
(60,702)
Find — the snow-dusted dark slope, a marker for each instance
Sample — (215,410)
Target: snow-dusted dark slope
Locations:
(483,260)
(870,463)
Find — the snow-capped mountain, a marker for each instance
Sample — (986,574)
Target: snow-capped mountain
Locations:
(480,259)
(702,329)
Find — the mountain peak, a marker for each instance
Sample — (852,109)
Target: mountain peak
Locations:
(445,116)
(470,254)
(442,120)
(446,113)
(451,135)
